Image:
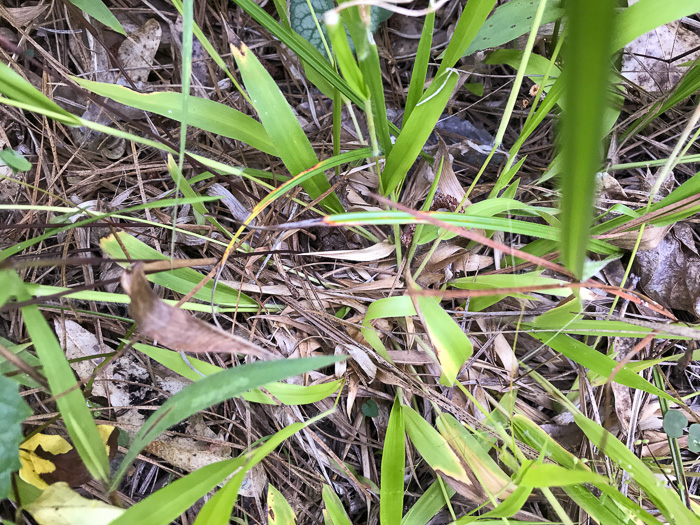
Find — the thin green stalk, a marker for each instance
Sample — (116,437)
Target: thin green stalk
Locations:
(676,457)
(512,99)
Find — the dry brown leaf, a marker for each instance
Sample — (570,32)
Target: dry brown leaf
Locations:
(670,274)
(502,348)
(175,328)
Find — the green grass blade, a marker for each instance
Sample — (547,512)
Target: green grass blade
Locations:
(452,346)
(281,124)
(417,130)
(471,20)
(100,12)
(420,67)
(368,60)
(334,506)
(180,280)
(14,87)
(212,390)
(646,15)
(590,29)
(69,398)
(165,505)
(428,505)
(287,393)
(393,468)
(434,449)
(663,498)
(599,363)
(343,54)
(307,52)
(202,113)
(279,511)
(217,511)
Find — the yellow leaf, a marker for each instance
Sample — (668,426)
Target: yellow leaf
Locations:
(59,505)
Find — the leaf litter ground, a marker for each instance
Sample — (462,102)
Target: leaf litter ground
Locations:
(310,296)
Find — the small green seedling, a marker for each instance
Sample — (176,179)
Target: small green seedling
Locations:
(674,425)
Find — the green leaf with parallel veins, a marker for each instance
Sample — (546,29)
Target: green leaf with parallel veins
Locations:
(13,410)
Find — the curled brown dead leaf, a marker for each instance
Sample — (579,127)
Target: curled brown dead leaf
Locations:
(177,329)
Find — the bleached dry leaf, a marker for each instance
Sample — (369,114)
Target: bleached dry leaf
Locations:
(23,16)
(371,253)
(79,344)
(646,60)
(651,237)
(175,328)
(139,49)
(503,350)
(450,253)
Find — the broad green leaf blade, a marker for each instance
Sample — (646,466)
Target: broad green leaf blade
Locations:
(202,113)
(69,398)
(281,124)
(13,411)
(14,87)
(305,18)
(510,21)
(181,280)
(165,505)
(393,468)
(15,161)
(100,12)
(279,512)
(599,363)
(662,497)
(428,505)
(334,506)
(646,15)
(470,21)
(417,130)
(287,393)
(590,29)
(436,451)
(452,345)
(212,390)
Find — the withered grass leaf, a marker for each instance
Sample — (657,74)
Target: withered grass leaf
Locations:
(176,328)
